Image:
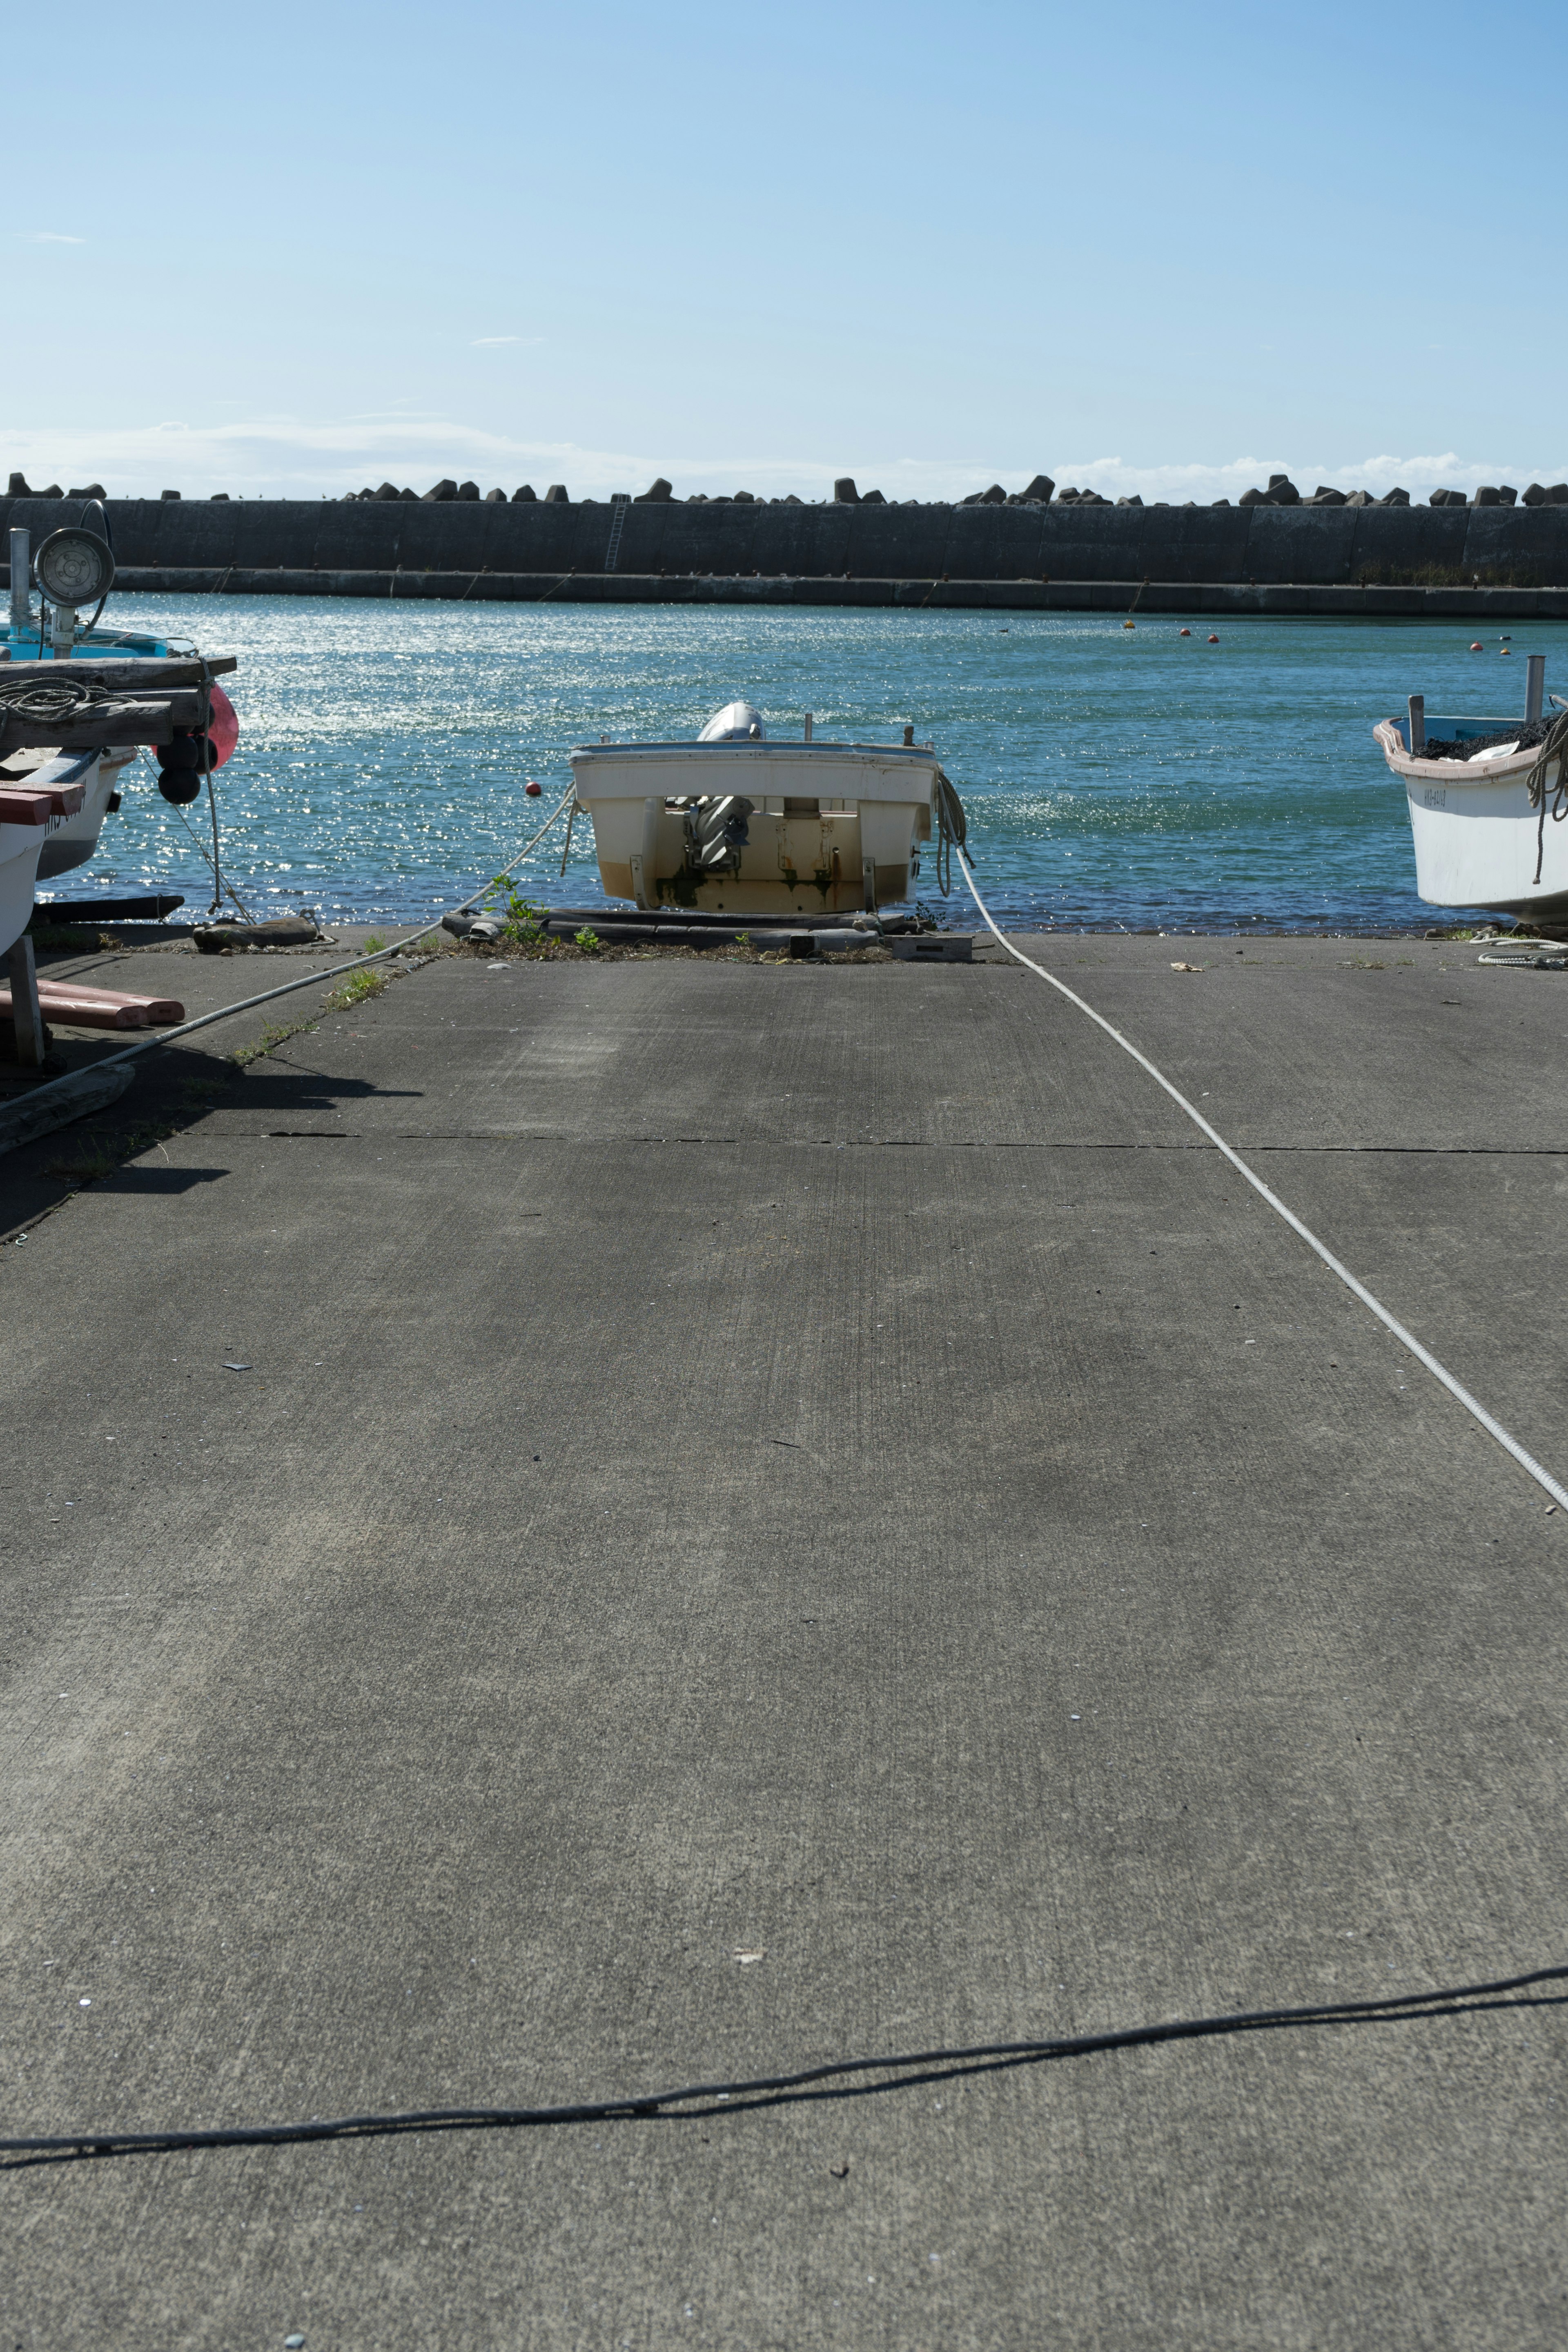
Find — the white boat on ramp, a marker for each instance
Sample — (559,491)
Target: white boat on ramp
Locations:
(743,822)
(75,706)
(1487,800)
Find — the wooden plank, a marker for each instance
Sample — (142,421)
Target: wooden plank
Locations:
(161,1010)
(55,1105)
(75,1013)
(142,675)
(102,723)
(20,806)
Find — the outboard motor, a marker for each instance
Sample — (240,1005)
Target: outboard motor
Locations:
(738,722)
(716,832)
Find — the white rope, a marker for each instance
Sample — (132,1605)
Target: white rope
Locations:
(1456,1389)
(310,979)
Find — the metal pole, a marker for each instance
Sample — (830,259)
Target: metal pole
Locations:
(21,553)
(204,736)
(216,906)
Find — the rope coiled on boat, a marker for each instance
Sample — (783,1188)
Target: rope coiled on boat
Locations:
(45,701)
(1553,747)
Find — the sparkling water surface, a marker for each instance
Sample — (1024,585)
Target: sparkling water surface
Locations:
(1114,778)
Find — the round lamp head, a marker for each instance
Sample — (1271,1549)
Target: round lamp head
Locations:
(74,567)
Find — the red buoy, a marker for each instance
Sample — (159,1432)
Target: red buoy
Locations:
(1477,646)
(1214,640)
(223,727)
(1184,633)
(533,789)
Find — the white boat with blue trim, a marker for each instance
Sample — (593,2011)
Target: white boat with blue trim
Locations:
(54,795)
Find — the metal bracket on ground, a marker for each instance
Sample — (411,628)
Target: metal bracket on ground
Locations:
(932,947)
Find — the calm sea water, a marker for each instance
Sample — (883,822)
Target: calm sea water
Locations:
(1112,777)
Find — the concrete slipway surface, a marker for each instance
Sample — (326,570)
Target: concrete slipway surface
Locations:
(823,1463)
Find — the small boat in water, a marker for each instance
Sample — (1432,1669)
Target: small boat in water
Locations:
(742,823)
(1487,798)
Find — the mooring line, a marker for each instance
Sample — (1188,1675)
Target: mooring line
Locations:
(310,979)
(1457,1388)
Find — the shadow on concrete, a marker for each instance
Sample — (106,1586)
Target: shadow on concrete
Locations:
(158,1179)
(171,1093)
(286,1089)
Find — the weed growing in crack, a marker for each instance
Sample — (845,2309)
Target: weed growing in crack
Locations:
(356,990)
(275,1034)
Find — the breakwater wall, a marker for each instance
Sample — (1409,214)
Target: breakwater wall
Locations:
(1201,600)
(388,546)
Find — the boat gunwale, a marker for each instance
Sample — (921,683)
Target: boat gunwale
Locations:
(765,749)
(1508,769)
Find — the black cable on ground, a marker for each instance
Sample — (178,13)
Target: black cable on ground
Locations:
(773,2090)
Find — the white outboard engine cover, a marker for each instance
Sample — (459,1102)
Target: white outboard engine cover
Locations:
(738,722)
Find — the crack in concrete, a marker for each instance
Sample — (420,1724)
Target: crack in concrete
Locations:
(873,1143)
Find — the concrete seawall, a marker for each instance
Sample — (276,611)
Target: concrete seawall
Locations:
(1203,600)
(354,547)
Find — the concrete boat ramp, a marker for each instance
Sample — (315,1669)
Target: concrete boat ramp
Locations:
(579,1529)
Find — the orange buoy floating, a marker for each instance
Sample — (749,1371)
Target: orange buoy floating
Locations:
(1214,640)
(1477,646)
(1508,649)
(1130,625)
(1184,633)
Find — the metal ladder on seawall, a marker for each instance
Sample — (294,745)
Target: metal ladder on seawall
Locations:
(620,501)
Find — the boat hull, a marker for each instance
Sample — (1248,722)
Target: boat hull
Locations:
(72,841)
(78,836)
(834,828)
(1476,836)
(19,848)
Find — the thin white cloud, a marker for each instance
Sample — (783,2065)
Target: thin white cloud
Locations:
(1420,475)
(489,342)
(48,237)
(293,457)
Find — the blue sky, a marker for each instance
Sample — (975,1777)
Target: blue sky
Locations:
(296,251)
